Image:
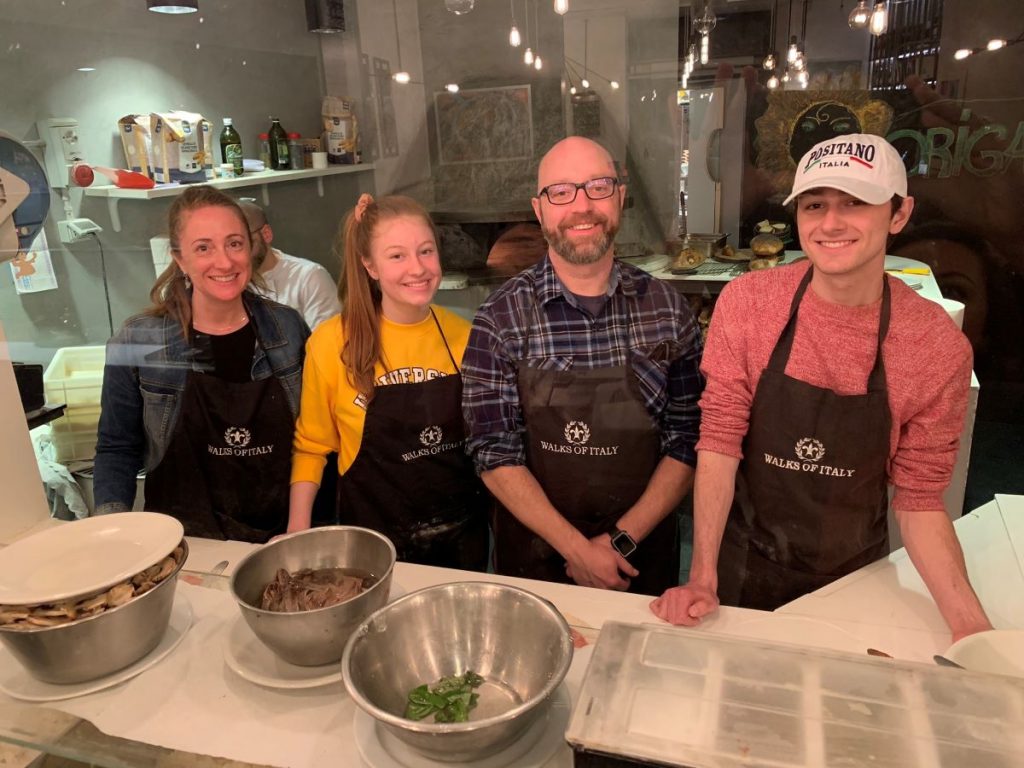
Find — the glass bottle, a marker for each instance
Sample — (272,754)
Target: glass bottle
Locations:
(265,150)
(231,147)
(296,155)
(278,146)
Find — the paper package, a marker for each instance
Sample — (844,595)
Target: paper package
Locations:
(137,143)
(182,147)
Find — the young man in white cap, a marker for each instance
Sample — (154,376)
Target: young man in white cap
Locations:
(827,381)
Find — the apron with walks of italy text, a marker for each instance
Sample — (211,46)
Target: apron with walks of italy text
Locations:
(811,494)
(411,479)
(225,473)
(592,446)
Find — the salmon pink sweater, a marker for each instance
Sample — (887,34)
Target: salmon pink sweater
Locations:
(927,366)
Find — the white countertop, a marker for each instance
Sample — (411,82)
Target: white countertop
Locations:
(192,701)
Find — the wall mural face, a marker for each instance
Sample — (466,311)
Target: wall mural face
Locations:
(797,120)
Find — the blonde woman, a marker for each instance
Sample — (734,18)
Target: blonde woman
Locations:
(383,389)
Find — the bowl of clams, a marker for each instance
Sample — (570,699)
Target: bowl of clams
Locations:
(84,599)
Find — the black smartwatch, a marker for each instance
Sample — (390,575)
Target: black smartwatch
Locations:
(624,544)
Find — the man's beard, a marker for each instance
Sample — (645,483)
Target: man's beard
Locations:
(583,252)
(260,249)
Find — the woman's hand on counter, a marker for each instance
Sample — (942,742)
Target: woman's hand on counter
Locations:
(685,605)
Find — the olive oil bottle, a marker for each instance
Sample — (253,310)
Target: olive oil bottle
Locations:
(279,160)
(231,147)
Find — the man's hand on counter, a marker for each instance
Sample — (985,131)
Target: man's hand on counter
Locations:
(597,564)
(685,605)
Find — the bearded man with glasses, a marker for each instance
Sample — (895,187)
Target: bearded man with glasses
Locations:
(581,389)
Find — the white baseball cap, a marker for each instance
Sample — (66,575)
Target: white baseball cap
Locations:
(861,164)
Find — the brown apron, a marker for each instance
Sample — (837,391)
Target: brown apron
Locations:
(592,446)
(811,494)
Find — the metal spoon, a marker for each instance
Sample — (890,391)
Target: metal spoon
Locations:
(942,661)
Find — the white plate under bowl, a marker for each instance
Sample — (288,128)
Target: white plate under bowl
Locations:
(16,682)
(94,553)
(998,651)
(381,749)
(247,656)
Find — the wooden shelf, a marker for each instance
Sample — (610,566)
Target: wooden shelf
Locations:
(264,179)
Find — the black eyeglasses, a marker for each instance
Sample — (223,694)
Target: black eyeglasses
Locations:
(565,193)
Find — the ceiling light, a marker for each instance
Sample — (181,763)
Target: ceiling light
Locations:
(879,19)
(773,82)
(572,89)
(537,63)
(995,45)
(528,56)
(561,7)
(87,69)
(173,6)
(859,16)
(614,85)
(962,54)
(585,83)
(452,87)
(459,7)
(402,77)
(769,62)
(793,51)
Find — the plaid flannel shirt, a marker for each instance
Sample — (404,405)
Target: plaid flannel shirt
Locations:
(533,320)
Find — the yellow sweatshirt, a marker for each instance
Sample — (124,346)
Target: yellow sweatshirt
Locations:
(331,413)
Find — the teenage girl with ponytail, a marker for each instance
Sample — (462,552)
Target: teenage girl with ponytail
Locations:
(382,388)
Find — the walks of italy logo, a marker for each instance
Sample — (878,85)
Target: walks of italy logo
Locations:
(236,443)
(577,438)
(432,440)
(809,452)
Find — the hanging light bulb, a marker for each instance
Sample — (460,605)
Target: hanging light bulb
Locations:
(793,51)
(452,87)
(859,16)
(614,85)
(962,54)
(402,77)
(572,89)
(799,63)
(773,82)
(528,56)
(879,19)
(537,63)
(785,76)
(585,83)
(514,38)
(769,62)
(561,7)
(803,78)
(996,44)
(703,25)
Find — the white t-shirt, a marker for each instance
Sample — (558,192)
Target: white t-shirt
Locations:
(303,285)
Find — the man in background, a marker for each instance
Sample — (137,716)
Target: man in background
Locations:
(298,283)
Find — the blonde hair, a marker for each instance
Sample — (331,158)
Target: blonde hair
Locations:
(170,294)
(359,294)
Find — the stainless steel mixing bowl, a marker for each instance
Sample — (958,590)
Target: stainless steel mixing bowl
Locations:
(98,645)
(517,641)
(312,638)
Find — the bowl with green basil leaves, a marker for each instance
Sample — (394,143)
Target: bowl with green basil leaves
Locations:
(458,671)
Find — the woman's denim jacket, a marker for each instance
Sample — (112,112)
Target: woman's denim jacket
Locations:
(144,378)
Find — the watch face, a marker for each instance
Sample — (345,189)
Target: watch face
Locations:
(623,544)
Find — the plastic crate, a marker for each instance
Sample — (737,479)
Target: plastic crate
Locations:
(77,420)
(75,377)
(73,445)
